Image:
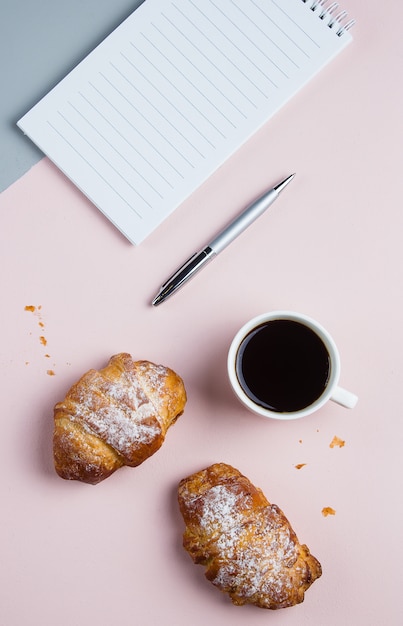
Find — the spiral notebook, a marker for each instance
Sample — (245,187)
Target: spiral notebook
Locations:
(179,86)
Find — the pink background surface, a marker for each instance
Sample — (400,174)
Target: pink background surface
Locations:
(331,247)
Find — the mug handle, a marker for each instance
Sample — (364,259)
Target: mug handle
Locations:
(344,398)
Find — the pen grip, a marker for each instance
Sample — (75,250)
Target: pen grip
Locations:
(183,274)
(191,266)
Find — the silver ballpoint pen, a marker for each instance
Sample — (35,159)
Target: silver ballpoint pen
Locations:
(235,228)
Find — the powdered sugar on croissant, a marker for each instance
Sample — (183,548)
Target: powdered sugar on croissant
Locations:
(116,416)
(247,545)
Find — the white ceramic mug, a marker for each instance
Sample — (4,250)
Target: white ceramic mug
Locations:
(331,389)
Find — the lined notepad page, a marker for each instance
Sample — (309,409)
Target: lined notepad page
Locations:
(170,94)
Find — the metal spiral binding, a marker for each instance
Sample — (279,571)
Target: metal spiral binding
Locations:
(327,13)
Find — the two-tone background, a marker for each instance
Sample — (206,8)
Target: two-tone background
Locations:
(74,292)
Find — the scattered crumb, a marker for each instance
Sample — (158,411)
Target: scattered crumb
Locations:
(300,465)
(36,310)
(26,362)
(327,510)
(336,441)
(300,441)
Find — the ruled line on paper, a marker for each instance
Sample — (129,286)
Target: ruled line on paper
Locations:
(117,131)
(286,35)
(295,23)
(193,64)
(195,87)
(230,40)
(206,78)
(146,119)
(221,52)
(164,96)
(264,33)
(151,104)
(93,168)
(113,147)
(188,100)
(146,140)
(214,65)
(254,44)
(102,156)
(139,132)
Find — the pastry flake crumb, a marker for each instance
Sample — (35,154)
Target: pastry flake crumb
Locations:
(37,311)
(336,441)
(327,510)
(300,466)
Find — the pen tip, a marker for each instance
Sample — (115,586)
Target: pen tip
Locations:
(156,300)
(284,183)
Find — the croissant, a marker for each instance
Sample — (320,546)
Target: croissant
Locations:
(246,544)
(113,417)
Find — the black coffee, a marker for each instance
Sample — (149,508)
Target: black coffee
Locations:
(283,366)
